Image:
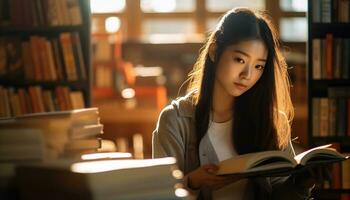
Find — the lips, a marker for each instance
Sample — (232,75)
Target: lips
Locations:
(240,86)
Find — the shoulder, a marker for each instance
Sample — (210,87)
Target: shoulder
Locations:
(178,108)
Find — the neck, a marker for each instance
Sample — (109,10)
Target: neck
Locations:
(222,104)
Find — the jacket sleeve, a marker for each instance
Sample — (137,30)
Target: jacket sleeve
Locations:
(166,139)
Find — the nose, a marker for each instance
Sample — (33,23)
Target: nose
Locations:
(246,72)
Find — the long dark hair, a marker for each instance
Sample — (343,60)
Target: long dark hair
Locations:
(261,115)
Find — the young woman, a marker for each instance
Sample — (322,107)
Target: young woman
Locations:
(238,102)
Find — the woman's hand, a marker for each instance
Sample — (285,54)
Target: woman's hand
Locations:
(205,176)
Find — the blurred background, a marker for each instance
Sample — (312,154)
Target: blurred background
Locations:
(143,51)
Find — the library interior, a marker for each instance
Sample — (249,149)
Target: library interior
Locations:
(129,66)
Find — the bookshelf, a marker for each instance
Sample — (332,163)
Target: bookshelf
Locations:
(51,44)
(328,82)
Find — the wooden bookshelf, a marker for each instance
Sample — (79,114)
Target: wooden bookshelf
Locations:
(74,23)
(328,121)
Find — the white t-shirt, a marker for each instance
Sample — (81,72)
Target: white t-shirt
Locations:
(221,139)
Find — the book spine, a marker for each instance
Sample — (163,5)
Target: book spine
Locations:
(348,116)
(324,119)
(58,60)
(22,99)
(74,12)
(326,7)
(315,117)
(316,12)
(332,116)
(316,58)
(36,58)
(329,56)
(67,49)
(78,54)
(346,173)
(51,62)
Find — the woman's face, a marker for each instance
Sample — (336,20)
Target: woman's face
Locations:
(241,66)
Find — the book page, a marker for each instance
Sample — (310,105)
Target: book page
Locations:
(261,161)
(319,154)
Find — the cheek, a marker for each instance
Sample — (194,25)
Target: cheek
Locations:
(256,77)
(226,72)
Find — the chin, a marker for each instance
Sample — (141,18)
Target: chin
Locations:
(236,93)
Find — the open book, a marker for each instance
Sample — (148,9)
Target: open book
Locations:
(278,163)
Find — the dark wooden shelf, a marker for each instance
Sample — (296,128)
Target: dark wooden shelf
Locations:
(319,88)
(5,30)
(337,29)
(331,82)
(343,141)
(45,84)
(337,191)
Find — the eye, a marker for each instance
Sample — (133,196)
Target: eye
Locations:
(239,60)
(259,67)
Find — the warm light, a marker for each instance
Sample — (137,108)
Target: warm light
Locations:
(138,145)
(107,165)
(163,5)
(128,93)
(299,5)
(174,38)
(148,71)
(107,6)
(112,24)
(110,155)
(177,174)
(122,144)
(180,192)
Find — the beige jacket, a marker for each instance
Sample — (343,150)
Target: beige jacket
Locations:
(175,136)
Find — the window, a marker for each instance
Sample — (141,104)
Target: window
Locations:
(211,24)
(293,5)
(171,30)
(168,5)
(107,6)
(225,5)
(293,29)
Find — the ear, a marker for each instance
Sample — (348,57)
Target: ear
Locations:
(212,51)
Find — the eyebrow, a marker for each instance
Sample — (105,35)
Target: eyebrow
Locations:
(244,53)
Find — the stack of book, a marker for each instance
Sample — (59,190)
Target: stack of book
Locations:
(104,179)
(44,137)
(52,135)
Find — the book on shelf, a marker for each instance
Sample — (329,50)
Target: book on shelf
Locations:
(31,13)
(330,11)
(40,58)
(330,58)
(103,179)
(331,114)
(278,163)
(20,101)
(346,173)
